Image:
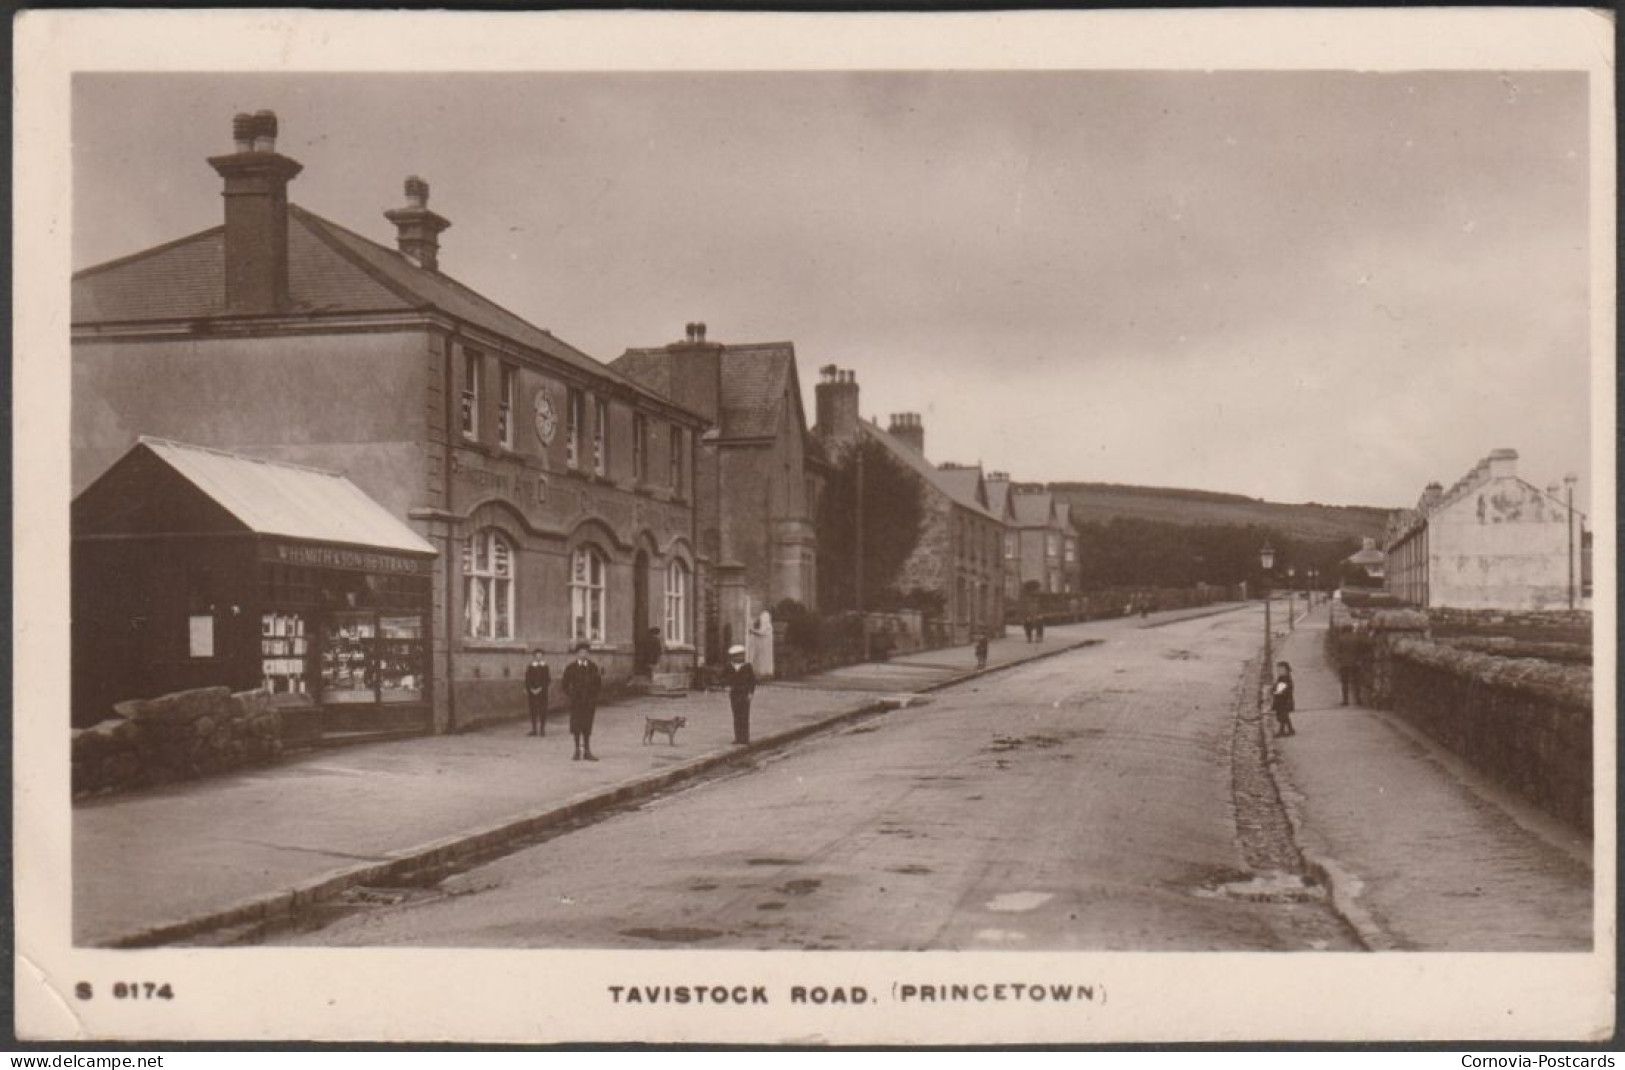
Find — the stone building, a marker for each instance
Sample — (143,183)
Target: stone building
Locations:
(959,556)
(555,491)
(759,474)
(1041,545)
(1492,541)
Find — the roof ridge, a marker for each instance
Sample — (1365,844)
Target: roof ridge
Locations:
(600,367)
(155,440)
(139,254)
(307,217)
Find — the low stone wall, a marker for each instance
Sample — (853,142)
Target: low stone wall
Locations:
(179,736)
(1522,721)
(1539,626)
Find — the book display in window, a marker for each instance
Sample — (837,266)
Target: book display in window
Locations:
(283,653)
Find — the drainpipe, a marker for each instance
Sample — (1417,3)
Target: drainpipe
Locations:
(448,368)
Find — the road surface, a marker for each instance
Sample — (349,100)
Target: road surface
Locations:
(1088,801)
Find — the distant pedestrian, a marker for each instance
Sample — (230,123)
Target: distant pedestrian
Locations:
(1344,649)
(981,650)
(1038,628)
(741,687)
(582,681)
(1282,700)
(1027,626)
(538,679)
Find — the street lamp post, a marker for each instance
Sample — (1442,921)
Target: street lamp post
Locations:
(1291,595)
(1568,483)
(1266,558)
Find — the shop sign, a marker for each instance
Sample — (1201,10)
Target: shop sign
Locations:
(341,557)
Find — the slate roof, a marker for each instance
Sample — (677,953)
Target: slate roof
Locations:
(755,379)
(965,482)
(330,270)
(273,498)
(950,487)
(1034,508)
(998,497)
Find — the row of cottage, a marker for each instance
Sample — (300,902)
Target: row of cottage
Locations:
(311,462)
(1493,540)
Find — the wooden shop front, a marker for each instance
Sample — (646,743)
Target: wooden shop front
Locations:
(196,568)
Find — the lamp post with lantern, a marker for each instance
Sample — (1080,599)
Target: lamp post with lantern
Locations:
(1568,483)
(1266,558)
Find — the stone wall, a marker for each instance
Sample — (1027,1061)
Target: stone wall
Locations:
(178,736)
(1524,722)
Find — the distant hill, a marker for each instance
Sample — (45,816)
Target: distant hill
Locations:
(1100,503)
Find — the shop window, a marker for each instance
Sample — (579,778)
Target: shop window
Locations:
(473,373)
(488,575)
(600,436)
(677,603)
(676,475)
(640,447)
(506,400)
(574,410)
(587,568)
(283,652)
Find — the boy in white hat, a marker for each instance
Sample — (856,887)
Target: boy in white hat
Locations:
(741,686)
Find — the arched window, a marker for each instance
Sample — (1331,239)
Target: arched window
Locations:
(677,603)
(488,573)
(587,569)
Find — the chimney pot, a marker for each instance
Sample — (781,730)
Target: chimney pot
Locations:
(417,192)
(265,129)
(242,131)
(699,332)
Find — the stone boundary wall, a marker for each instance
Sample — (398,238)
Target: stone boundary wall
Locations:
(1524,722)
(179,736)
(1539,626)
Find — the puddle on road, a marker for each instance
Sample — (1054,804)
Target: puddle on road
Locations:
(912,870)
(1017,902)
(771,862)
(1272,887)
(1002,936)
(802,886)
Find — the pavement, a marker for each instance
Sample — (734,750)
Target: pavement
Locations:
(1421,852)
(170,863)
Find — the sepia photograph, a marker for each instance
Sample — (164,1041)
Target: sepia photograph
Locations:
(865,540)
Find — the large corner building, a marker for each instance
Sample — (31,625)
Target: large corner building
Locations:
(555,492)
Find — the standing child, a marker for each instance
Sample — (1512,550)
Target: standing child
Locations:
(741,687)
(981,650)
(1281,700)
(538,678)
(582,681)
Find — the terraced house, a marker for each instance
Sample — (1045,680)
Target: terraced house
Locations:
(759,474)
(555,491)
(959,554)
(1041,546)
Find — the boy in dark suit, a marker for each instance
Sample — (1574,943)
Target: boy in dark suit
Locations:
(538,678)
(582,681)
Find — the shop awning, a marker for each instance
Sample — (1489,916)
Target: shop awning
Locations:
(288,500)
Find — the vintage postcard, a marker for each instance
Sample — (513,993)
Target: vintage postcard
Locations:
(984,528)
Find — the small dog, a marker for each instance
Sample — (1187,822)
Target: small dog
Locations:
(668,725)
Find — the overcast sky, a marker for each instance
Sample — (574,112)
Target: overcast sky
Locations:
(1300,286)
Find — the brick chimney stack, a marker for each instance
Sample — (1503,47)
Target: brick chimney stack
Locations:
(837,404)
(696,373)
(417,230)
(907,428)
(256,193)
